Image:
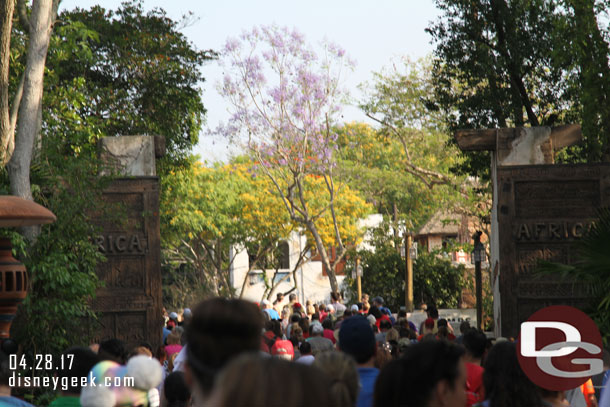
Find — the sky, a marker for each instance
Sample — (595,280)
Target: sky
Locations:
(375,34)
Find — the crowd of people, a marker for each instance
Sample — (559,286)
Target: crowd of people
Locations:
(236,353)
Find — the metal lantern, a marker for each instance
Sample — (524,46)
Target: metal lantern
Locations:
(413,251)
(15,212)
(478,253)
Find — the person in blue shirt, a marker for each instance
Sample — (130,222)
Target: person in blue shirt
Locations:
(356,338)
(268,308)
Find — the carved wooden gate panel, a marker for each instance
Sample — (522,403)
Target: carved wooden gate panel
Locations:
(542,211)
(130,302)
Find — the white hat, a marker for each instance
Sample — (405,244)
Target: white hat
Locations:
(266,302)
(187,313)
(372,319)
(330,308)
(354,308)
(173,316)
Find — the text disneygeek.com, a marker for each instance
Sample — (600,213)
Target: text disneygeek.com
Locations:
(64,383)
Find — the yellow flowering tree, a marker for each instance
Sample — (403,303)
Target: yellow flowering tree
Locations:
(210,213)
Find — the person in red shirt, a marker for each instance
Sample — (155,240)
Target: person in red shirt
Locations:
(322,312)
(475,343)
(329,332)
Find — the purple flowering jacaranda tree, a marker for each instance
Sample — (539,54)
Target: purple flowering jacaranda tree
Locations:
(284,99)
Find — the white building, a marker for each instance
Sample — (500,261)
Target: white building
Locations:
(312,282)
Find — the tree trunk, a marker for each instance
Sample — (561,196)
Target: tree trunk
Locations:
(332,278)
(28,125)
(6,23)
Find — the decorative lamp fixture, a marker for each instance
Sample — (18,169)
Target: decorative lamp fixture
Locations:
(15,212)
(413,251)
(478,254)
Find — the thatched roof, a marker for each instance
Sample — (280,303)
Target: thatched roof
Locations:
(442,223)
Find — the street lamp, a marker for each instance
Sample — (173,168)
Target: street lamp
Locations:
(477,256)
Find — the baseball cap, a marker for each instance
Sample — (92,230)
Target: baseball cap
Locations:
(173,316)
(283,349)
(378,300)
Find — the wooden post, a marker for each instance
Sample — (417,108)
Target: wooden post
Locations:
(409,276)
(479,289)
(359,279)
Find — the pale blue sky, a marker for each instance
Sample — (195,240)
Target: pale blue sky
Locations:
(374,33)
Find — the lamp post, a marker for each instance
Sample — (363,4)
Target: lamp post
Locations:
(15,212)
(477,256)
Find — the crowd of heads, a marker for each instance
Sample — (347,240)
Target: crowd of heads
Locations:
(236,353)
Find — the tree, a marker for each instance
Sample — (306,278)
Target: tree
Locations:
(525,62)
(411,143)
(27,105)
(284,100)
(374,163)
(397,101)
(137,72)
(202,212)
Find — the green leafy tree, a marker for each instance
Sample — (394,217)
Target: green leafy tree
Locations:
(397,100)
(373,163)
(524,62)
(136,72)
(410,152)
